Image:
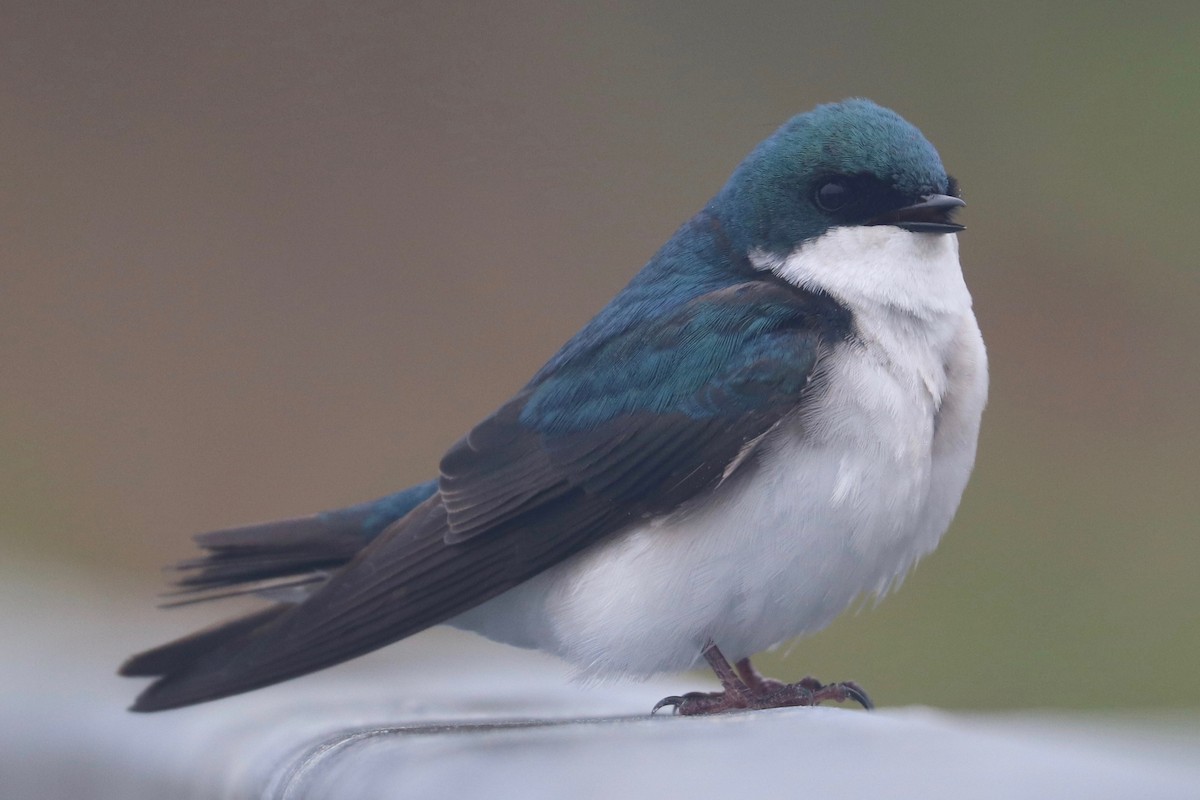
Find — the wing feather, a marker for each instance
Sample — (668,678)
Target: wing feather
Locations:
(636,426)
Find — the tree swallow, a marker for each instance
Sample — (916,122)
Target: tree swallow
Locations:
(777,415)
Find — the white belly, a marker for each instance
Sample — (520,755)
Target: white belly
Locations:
(841,501)
(830,511)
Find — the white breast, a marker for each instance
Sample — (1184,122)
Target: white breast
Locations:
(841,500)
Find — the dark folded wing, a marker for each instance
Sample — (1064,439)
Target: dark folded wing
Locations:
(648,417)
(631,428)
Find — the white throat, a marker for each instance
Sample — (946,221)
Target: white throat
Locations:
(879,266)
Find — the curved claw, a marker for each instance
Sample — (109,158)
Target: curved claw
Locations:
(674,701)
(857,694)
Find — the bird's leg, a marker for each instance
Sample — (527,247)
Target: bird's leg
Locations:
(748,688)
(736,694)
(759,683)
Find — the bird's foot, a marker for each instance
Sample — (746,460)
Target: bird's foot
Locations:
(747,689)
(818,692)
(808,692)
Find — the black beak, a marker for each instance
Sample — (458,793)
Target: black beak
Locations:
(931,215)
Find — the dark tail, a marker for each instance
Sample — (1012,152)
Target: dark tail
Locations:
(290,552)
(264,559)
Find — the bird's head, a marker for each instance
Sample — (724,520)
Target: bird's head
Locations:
(844,164)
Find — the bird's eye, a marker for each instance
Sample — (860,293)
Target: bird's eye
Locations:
(833,195)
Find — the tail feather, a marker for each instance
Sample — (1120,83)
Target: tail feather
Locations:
(273,557)
(367,604)
(301,550)
(272,550)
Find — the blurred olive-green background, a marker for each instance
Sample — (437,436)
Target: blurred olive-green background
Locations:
(265,259)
